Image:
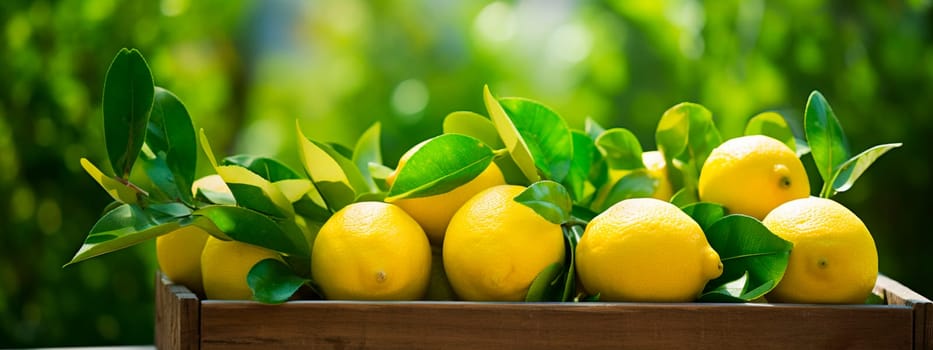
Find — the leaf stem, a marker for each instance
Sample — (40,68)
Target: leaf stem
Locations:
(132,186)
(499,153)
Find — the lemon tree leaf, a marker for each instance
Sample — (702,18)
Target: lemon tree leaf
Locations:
(511,138)
(686,132)
(267,168)
(546,285)
(273,282)
(475,125)
(129,224)
(545,133)
(827,141)
(335,176)
(584,152)
(704,213)
(853,168)
(684,197)
(368,150)
(254,192)
(549,199)
(572,235)
(637,184)
(621,149)
(746,246)
(116,189)
(379,173)
(731,292)
(592,128)
(248,226)
(172,144)
(773,125)
(443,163)
(127,102)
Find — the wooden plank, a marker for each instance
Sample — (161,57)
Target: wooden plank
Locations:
(177,316)
(895,293)
(463,325)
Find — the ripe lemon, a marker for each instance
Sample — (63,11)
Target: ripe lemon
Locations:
(225,264)
(495,246)
(655,167)
(371,251)
(179,256)
(179,252)
(645,249)
(752,175)
(834,259)
(433,213)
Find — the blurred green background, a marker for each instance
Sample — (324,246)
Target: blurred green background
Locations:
(247,70)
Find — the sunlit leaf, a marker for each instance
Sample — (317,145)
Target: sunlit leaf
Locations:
(546,286)
(128,96)
(746,246)
(518,149)
(268,168)
(441,164)
(592,128)
(116,189)
(549,199)
(773,125)
(273,282)
(686,132)
(684,197)
(336,177)
(368,150)
(127,225)
(475,125)
(545,133)
(637,184)
(252,227)
(621,149)
(705,214)
(171,139)
(852,169)
(828,143)
(583,157)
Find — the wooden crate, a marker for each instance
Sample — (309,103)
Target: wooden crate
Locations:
(183,321)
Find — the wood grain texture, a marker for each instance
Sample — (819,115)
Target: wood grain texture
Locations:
(461,325)
(177,325)
(895,293)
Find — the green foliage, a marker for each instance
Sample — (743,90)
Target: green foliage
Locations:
(441,164)
(549,199)
(128,92)
(273,282)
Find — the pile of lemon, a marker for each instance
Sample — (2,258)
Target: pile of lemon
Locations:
(477,243)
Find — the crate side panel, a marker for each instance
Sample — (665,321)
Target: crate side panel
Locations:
(177,316)
(347,325)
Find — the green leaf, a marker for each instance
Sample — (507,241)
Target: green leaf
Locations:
(170,137)
(252,227)
(336,177)
(637,184)
(441,164)
(161,176)
(545,133)
(745,245)
(592,128)
(128,96)
(475,125)
(368,150)
(621,149)
(270,169)
(773,125)
(518,149)
(273,282)
(546,286)
(686,132)
(127,225)
(704,213)
(828,143)
(853,168)
(379,173)
(116,189)
(572,237)
(584,152)
(685,197)
(549,199)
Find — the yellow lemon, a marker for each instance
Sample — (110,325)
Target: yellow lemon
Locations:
(371,251)
(752,175)
(834,259)
(179,252)
(495,246)
(225,265)
(645,249)
(433,213)
(655,167)
(179,256)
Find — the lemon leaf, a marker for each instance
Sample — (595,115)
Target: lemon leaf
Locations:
(847,173)
(443,163)
(379,173)
(254,192)
(704,213)
(368,150)
(546,285)
(335,176)
(636,184)
(572,236)
(116,189)
(253,227)
(584,153)
(171,139)
(549,199)
(475,125)
(273,282)
(129,224)
(686,132)
(621,149)
(827,141)
(684,197)
(545,133)
(267,168)
(511,138)
(746,246)
(127,102)
(773,125)
(592,128)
